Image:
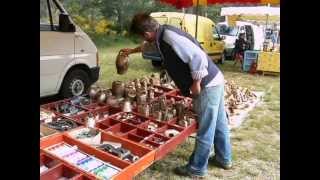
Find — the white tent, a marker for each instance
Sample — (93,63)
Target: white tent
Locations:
(258,10)
(255,14)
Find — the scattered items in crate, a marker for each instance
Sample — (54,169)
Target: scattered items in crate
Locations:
(83,161)
(100,95)
(43,168)
(80,101)
(63,178)
(144,110)
(104,95)
(88,133)
(120,152)
(127,107)
(157,140)
(68,109)
(149,145)
(166,81)
(237,97)
(125,116)
(152,126)
(171,133)
(62,124)
(89,163)
(118,88)
(165,109)
(105,171)
(46,116)
(46,131)
(91,121)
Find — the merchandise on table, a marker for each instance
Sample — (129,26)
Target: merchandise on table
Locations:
(43,168)
(105,171)
(171,133)
(128,127)
(83,161)
(68,109)
(120,152)
(80,101)
(46,116)
(62,124)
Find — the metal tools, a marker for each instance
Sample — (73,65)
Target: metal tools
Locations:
(120,152)
(62,124)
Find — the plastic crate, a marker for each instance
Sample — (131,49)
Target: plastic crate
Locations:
(246,68)
(249,58)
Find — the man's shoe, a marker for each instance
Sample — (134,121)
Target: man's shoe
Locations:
(184,171)
(215,162)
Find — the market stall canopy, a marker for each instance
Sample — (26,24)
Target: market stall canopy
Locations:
(188,3)
(259,10)
(259,13)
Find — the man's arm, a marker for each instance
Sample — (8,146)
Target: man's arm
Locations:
(129,51)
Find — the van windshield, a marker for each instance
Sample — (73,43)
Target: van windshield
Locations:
(227,30)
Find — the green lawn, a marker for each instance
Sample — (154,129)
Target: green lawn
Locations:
(256,144)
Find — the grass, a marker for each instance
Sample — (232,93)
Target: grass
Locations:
(256,144)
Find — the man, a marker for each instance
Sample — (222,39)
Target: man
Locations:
(239,48)
(192,70)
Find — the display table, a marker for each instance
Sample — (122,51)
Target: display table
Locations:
(269,62)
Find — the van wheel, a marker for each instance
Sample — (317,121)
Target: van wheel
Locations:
(75,83)
(156,64)
(222,59)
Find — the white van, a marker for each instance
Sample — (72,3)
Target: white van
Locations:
(253,33)
(69,61)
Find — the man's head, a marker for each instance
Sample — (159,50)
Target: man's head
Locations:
(145,26)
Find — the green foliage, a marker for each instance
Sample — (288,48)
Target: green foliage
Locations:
(112,17)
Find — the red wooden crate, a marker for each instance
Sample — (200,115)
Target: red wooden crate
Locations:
(56,169)
(146,155)
(52,107)
(102,113)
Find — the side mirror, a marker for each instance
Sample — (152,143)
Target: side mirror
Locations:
(65,25)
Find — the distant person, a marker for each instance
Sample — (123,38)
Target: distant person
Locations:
(240,47)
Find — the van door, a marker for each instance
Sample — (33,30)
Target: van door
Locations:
(56,48)
(216,44)
(249,37)
(177,22)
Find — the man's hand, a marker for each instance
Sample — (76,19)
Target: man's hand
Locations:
(195,88)
(126,51)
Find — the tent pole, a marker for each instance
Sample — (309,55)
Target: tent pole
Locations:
(197,9)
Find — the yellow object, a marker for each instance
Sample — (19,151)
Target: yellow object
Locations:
(214,47)
(201,2)
(269,61)
(273,2)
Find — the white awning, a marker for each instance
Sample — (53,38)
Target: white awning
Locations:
(257,11)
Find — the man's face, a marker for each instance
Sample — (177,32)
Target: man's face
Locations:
(149,36)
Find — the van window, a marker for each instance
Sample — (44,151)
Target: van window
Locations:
(227,30)
(45,15)
(161,20)
(177,22)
